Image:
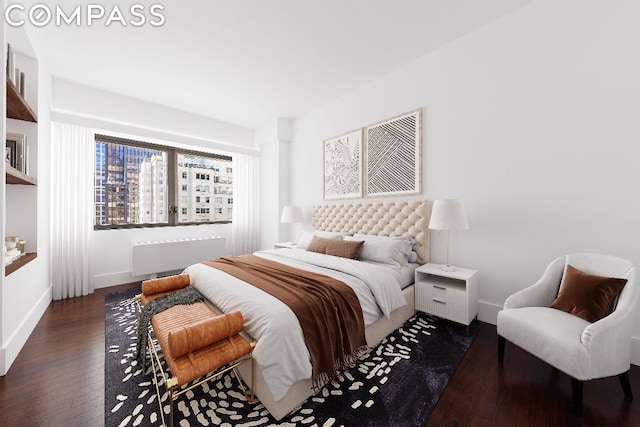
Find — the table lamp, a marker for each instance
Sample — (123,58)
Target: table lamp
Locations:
(448,214)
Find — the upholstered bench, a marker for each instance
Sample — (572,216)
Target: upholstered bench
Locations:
(196,342)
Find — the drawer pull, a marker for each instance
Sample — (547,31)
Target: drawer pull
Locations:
(439,301)
(440,287)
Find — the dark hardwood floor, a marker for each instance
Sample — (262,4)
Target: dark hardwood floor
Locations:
(58,380)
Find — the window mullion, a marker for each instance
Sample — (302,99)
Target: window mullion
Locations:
(172,172)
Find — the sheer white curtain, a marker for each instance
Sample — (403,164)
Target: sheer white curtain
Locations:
(72,209)
(244,230)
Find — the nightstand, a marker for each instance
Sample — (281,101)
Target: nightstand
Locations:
(451,295)
(285,245)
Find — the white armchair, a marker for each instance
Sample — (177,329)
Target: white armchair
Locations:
(582,350)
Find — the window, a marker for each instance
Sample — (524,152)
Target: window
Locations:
(136,185)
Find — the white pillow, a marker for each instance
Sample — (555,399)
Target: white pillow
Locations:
(387,251)
(375,236)
(306,237)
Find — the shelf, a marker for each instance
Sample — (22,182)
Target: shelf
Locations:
(14,176)
(19,263)
(17,107)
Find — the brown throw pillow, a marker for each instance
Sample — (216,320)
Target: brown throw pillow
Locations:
(585,295)
(318,244)
(344,248)
(335,247)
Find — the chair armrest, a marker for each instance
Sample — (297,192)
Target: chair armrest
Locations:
(614,327)
(608,343)
(543,292)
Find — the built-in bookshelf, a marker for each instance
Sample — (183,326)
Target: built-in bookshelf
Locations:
(21,120)
(17,107)
(14,176)
(21,262)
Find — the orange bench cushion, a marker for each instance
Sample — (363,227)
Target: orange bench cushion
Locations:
(201,360)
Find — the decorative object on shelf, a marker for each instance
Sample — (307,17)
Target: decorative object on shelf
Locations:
(392,156)
(17,144)
(22,247)
(9,243)
(449,215)
(11,249)
(342,166)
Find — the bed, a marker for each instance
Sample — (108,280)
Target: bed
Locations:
(283,375)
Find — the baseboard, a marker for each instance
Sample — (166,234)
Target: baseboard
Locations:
(635,351)
(488,313)
(15,343)
(114,279)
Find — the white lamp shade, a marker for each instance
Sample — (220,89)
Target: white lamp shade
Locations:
(292,213)
(448,214)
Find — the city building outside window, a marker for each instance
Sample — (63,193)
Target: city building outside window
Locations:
(143,185)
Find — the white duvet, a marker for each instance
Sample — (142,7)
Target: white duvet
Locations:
(280,350)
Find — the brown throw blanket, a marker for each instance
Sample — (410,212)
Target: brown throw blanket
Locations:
(328,310)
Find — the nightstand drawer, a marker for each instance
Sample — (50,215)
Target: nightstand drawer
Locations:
(440,301)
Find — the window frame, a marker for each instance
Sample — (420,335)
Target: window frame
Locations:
(172,184)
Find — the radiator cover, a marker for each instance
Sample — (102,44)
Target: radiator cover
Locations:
(168,255)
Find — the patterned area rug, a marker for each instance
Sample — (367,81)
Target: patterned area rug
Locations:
(398,383)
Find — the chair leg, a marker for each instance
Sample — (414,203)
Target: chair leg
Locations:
(626,386)
(576,387)
(501,343)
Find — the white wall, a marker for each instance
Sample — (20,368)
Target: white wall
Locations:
(26,293)
(273,140)
(532,120)
(120,115)
(93,107)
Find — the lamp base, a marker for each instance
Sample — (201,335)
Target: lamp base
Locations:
(447,267)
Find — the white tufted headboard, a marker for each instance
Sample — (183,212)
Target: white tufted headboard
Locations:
(390,218)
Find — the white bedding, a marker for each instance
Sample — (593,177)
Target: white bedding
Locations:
(280,350)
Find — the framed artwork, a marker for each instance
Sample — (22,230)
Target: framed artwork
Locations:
(343,166)
(15,151)
(393,162)
(10,153)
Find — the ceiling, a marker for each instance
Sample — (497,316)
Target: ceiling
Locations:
(250,61)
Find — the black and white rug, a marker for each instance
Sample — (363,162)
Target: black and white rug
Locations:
(397,384)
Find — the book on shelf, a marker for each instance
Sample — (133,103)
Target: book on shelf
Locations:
(14,74)
(10,59)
